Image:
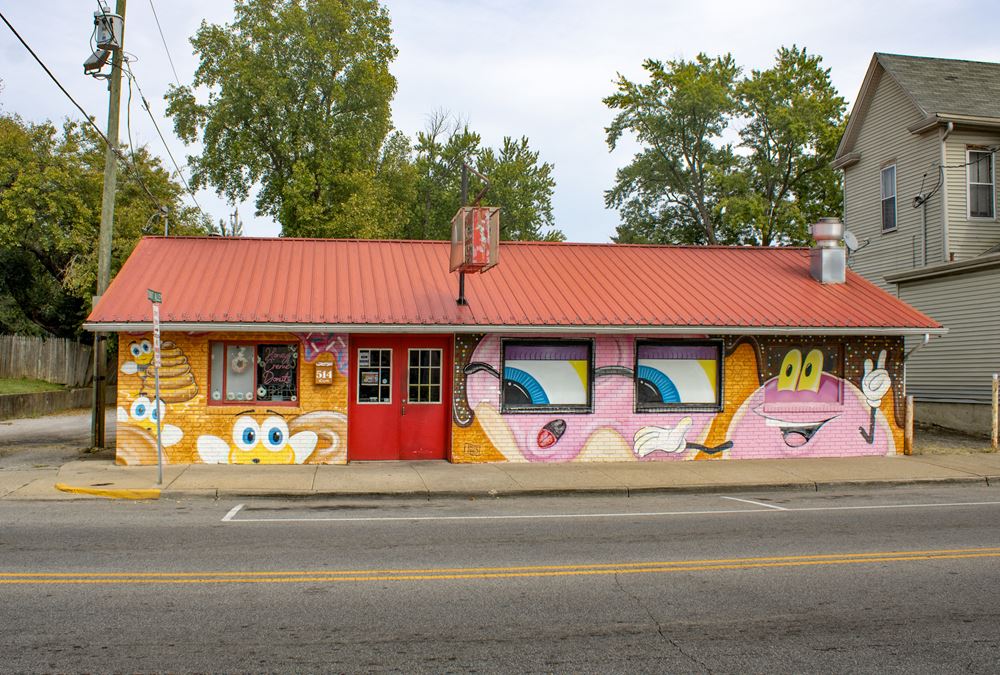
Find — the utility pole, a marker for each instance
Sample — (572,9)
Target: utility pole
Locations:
(104,236)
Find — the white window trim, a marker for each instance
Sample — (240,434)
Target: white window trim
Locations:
(440,367)
(969,184)
(895,199)
(357,388)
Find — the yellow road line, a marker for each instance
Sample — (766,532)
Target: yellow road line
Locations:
(516,568)
(488,572)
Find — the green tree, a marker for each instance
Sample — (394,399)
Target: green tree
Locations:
(299,96)
(671,188)
(439,152)
(520,183)
(794,119)
(50,204)
(522,187)
(686,186)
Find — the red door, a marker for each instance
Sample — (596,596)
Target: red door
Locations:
(400,393)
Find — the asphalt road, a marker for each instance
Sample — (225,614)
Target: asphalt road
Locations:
(902,580)
(51,440)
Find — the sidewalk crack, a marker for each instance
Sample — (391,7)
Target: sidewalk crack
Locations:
(174,479)
(659,628)
(427,490)
(504,471)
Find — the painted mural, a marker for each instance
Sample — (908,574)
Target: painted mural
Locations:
(234,399)
(177,383)
(669,400)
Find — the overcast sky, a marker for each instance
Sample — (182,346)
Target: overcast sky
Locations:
(514,67)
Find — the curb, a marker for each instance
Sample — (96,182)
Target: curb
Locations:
(111,493)
(903,482)
(610,491)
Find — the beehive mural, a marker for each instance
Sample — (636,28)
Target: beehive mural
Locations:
(177,382)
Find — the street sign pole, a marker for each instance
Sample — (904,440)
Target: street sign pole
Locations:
(156,298)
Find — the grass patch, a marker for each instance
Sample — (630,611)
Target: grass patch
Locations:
(11,386)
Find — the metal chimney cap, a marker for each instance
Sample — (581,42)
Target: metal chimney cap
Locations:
(827,232)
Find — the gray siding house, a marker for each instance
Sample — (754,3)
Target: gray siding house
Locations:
(920,194)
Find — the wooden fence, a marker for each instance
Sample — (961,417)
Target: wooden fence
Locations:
(51,359)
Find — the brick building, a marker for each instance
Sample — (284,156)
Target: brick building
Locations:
(328,351)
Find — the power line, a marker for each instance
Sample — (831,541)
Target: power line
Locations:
(128,129)
(164,41)
(145,104)
(85,114)
(922,198)
(127,71)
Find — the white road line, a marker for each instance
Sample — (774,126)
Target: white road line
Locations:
(232,512)
(534,516)
(750,501)
(228,518)
(892,506)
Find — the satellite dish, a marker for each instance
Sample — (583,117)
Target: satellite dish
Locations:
(850,241)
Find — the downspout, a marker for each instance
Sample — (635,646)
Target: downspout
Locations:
(950,127)
(907,355)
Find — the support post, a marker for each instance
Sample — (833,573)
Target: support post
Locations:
(465,198)
(996,412)
(159,428)
(908,427)
(155,297)
(104,235)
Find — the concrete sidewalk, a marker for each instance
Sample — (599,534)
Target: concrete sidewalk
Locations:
(440,479)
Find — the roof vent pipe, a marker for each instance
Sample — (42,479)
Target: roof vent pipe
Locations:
(828,259)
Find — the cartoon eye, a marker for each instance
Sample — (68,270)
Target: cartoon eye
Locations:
(276,433)
(134,349)
(788,377)
(245,433)
(157,412)
(812,371)
(146,346)
(141,408)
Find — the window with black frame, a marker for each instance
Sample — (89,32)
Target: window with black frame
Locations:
(672,376)
(547,375)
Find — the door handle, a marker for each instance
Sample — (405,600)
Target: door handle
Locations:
(402,407)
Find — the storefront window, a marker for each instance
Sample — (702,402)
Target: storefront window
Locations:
(424,376)
(549,375)
(671,376)
(374,376)
(262,373)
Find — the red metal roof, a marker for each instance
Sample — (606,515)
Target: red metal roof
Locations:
(315,283)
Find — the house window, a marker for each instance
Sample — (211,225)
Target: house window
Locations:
(547,376)
(889,198)
(254,373)
(981,189)
(671,376)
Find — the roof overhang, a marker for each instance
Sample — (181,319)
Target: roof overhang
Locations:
(860,107)
(198,327)
(938,119)
(846,160)
(947,269)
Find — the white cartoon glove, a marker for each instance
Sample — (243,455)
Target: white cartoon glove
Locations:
(875,383)
(651,439)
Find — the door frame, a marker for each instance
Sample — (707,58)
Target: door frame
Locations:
(399,341)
